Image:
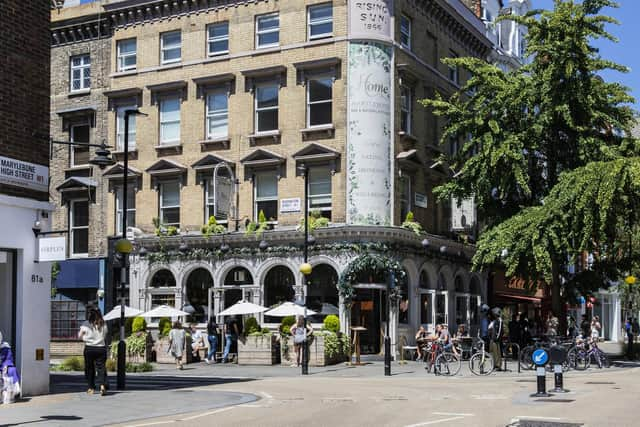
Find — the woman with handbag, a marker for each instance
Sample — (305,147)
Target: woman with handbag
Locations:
(300,333)
(94,333)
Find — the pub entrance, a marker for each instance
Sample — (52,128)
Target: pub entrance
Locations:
(369,310)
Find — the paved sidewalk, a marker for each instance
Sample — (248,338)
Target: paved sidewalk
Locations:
(146,396)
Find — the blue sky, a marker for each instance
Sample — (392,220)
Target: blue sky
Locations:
(627,51)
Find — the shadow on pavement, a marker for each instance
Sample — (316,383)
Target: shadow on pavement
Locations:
(73,383)
(46,418)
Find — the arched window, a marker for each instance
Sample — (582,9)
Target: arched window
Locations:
(322,291)
(462,302)
(278,287)
(442,283)
(197,289)
(459,284)
(163,279)
(238,276)
(475,299)
(424,280)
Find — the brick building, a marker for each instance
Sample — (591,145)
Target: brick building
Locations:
(24,176)
(266,88)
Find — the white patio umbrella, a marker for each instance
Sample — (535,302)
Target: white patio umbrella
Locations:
(329,309)
(115,313)
(289,309)
(164,311)
(241,308)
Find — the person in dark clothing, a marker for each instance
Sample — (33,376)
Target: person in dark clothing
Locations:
(628,327)
(585,327)
(484,324)
(212,337)
(515,335)
(231,332)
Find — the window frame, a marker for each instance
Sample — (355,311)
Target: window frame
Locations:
(259,32)
(85,72)
(73,228)
(257,110)
(121,58)
(161,140)
(454,72)
(256,199)
(118,208)
(132,129)
(72,138)
(406,108)
(403,31)
(310,103)
(209,114)
(406,193)
(163,48)
(311,197)
(162,207)
(214,39)
(310,24)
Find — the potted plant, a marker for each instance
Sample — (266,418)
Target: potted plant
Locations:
(259,346)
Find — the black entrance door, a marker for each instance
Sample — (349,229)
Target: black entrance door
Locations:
(369,311)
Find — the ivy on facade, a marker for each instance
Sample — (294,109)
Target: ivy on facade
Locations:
(374,265)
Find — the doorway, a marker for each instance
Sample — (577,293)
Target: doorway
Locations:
(369,310)
(8,261)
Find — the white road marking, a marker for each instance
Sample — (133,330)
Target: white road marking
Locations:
(538,418)
(454,414)
(430,423)
(154,423)
(217,411)
(265,395)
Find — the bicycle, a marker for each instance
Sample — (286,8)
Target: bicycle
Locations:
(481,362)
(584,352)
(443,362)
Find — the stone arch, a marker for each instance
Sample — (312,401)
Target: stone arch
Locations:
(431,273)
(159,269)
(461,281)
(475,284)
(322,288)
(189,268)
(225,267)
(279,290)
(445,279)
(263,269)
(324,259)
(196,292)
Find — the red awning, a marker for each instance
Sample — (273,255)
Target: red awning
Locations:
(518,297)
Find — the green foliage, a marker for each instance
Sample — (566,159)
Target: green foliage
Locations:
(128,325)
(163,230)
(212,227)
(259,227)
(136,345)
(164,326)
(377,266)
(261,217)
(251,326)
(73,363)
(332,323)
(111,364)
(286,323)
(55,270)
(335,344)
(410,224)
(545,151)
(139,367)
(139,324)
(316,220)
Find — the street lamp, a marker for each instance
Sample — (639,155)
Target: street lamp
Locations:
(305,268)
(124,271)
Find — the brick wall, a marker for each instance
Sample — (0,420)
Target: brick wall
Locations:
(24,85)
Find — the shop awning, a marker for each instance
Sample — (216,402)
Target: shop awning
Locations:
(518,297)
(78,274)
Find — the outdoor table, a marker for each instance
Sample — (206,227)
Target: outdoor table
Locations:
(356,340)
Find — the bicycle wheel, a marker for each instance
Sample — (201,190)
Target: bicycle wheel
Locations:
(526,362)
(447,364)
(604,359)
(481,364)
(581,361)
(571,359)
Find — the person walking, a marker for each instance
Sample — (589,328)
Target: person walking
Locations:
(9,377)
(177,340)
(595,328)
(300,333)
(484,324)
(212,337)
(628,327)
(94,333)
(231,332)
(495,337)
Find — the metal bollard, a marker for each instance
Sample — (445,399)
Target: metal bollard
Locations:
(541,375)
(387,356)
(557,379)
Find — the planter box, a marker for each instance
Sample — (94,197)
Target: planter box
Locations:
(162,355)
(317,354)
(258,350)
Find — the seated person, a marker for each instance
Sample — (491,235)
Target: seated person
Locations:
(421,340)
(197,340)
(462,332)
(445,339)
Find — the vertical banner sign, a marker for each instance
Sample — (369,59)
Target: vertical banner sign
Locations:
(369,111)
(463,213)
(369,135)
(223,191)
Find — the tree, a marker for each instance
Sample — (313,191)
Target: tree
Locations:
(536,138)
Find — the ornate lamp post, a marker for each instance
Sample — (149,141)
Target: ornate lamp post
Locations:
(305,268)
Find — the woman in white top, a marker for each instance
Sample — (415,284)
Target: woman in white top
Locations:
(94,332)
(595,328)
(300,334)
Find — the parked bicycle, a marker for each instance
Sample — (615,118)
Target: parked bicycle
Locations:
(440,361)
(584,352)
(481,362)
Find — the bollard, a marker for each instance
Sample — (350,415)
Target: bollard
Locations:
(387,356)
(557,379)
(541,375)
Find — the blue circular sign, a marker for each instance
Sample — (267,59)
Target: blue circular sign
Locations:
(540,357)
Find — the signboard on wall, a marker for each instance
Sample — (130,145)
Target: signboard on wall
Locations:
(370,19)
(420,200)
(290,205)
(463,214)
(24,174)
(52,249)
(369,134)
